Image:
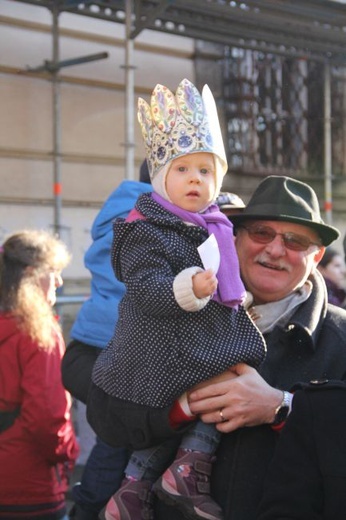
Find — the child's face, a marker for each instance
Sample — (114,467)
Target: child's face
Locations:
(190,182)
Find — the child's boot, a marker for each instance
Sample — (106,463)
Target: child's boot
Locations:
(186,484)
(133,501)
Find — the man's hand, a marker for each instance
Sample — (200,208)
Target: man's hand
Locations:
(242,395)
(204,284)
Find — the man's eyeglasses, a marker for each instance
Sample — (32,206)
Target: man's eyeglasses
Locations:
(266,234)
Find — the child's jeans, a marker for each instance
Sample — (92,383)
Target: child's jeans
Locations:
(150,463)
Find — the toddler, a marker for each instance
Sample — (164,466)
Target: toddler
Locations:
(179,323)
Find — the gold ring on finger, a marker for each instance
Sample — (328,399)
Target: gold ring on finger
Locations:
(223,419)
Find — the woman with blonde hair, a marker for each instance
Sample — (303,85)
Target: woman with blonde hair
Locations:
(38,446)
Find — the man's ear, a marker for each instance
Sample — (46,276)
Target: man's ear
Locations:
(319,254)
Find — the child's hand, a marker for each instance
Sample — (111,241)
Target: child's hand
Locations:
(204,284)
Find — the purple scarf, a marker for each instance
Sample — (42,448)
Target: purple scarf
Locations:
(230,291)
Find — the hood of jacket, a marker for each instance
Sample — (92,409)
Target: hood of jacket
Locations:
(118,205)
(96,319)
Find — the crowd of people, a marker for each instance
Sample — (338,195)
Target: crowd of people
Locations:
(214,376)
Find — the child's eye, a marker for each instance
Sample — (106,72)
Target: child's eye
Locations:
(205,171)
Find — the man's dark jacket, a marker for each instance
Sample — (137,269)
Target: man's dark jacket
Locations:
(307,476)
(312,346)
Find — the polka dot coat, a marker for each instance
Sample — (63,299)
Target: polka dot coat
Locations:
(159,350)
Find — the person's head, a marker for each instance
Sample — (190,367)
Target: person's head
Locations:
(144,172)
(332,267)
(230,203)
(31,262)
(280,238)
(181,126)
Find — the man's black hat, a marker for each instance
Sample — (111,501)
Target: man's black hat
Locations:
(290,200)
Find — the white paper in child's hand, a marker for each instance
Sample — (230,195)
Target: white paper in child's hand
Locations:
(210,254)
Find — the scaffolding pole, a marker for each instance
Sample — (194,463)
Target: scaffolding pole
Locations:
(328,201)
(130,94)
(57,187)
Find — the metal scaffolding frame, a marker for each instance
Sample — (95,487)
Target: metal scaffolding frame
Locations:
(309,29)
(313,29)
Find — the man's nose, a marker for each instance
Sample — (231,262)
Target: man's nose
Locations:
(277,246)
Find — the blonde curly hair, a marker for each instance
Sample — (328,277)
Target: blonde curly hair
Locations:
(24,258)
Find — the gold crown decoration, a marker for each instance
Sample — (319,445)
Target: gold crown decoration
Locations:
(180,124)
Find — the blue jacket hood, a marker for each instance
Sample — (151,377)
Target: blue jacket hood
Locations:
(97,317)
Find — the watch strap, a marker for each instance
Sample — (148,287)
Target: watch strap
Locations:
(284,408)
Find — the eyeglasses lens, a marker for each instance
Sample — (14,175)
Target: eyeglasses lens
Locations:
(266,234)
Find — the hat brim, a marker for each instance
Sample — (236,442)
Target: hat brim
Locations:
(326,233)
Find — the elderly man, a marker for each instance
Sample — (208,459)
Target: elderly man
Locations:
(280,238)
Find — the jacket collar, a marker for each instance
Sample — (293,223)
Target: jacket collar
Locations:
(308,318)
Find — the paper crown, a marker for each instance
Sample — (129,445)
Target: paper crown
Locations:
(180,124)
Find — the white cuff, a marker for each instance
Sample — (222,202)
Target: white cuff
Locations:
(183,291)
(290,396)
(184,405)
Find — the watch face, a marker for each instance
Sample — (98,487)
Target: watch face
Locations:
(281,415)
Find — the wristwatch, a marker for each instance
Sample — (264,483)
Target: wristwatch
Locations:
(282,411)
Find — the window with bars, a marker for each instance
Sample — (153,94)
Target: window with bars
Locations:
(272,112)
